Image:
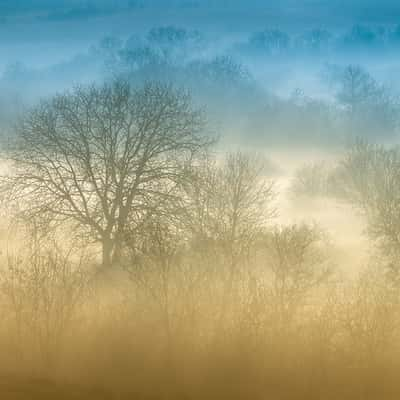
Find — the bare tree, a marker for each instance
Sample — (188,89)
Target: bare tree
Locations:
(243,201)
(101,159)
(43,288)
(229,205)
(230,202)
(297,262)
(369,178)
(369,105)
(369,313)
(311,180)
(357,87)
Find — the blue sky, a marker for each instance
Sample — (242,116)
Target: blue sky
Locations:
(379,11)
(18,6)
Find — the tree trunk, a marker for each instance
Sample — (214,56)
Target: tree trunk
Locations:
(107,253)
(116,255)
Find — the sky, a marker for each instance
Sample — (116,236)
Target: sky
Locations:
(91,8)
(69,20)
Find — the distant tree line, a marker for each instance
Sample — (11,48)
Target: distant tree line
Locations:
(235,99)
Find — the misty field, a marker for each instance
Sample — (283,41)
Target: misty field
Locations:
(198,204)
(139,262)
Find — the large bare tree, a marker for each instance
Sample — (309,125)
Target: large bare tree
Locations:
(102,159)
